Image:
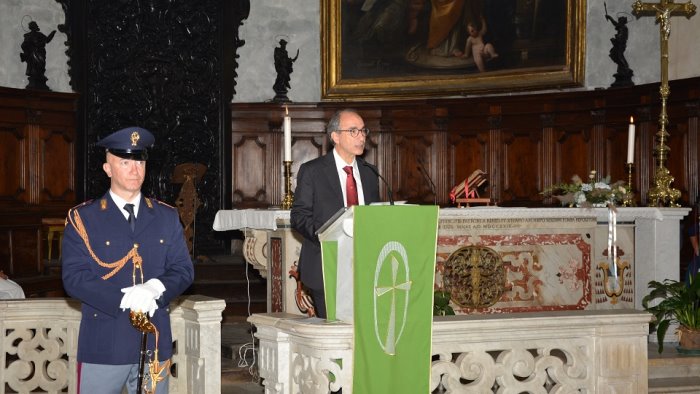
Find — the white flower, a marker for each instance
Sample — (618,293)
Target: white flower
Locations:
(586,187)
(602,185)
(580,197)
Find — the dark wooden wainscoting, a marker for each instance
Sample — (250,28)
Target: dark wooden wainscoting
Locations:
(524,142)
(37,183)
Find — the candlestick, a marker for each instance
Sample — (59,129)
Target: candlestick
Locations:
(630,142)
(288,198)
(287,127)
(628,199)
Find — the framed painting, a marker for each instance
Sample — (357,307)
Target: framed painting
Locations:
(402,49)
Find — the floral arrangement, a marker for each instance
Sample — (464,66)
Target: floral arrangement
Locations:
(592,193)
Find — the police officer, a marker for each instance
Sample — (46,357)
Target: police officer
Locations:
(123,253)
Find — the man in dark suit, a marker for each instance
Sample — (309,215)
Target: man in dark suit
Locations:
(324,186)
(122,254)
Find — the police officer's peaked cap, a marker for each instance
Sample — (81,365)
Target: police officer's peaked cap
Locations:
(129,143)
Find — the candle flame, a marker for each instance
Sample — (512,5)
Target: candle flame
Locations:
(286,111)
(631,119)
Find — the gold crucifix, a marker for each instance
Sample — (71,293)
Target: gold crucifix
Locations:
(662,193)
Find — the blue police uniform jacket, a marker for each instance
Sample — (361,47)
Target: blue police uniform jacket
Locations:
(106,334)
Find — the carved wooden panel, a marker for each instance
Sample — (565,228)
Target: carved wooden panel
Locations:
(12,179)
(678,145)
(56,182)
(37,145)
(408,149)
(524,142)
(521,166)
(467,152)
(37,174)
(249,163)
(20,244)
(571,150)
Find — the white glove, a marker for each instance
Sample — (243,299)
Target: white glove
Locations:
(142,297)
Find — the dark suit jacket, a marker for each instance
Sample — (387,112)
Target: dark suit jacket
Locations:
(317,197)
(106,334)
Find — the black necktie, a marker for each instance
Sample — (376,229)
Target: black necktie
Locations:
(132,218)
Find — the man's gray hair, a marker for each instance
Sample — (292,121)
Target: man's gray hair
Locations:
(334,123)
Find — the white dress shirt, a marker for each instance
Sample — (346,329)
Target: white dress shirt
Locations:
(343,176)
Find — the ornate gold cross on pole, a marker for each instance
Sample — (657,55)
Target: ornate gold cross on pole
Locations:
(662,193)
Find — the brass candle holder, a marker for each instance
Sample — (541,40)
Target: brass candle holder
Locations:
(628,200)
(288,198)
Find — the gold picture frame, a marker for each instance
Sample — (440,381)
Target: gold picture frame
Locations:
(368,55)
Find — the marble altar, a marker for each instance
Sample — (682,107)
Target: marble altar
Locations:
(553,255)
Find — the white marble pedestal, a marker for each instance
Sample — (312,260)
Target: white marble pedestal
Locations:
(572,351)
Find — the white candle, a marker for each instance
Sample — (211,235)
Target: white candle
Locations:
(287,127)
(630,142)
(610,238)
(614,242)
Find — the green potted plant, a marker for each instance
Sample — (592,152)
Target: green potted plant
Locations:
(680,303)
(441,305)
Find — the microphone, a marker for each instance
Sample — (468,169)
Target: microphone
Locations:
(388,188)
(421,168)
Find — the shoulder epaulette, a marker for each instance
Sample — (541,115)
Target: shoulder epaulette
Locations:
(159,202)
(75,209)
(88,202)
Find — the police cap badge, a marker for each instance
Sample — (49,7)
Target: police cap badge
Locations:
(129,143)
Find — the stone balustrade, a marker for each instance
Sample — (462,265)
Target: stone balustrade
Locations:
(40,337)
(592,351)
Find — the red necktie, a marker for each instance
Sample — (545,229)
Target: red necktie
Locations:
(350,187)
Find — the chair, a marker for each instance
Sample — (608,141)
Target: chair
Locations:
(54,227)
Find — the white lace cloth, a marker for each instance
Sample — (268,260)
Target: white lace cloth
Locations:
(256,219)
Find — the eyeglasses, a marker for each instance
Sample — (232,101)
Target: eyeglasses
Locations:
(355,131)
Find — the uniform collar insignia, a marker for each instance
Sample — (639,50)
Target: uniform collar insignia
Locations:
(103,204)
(148,202)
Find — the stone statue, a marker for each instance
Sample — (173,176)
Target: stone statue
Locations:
(34,54)
(283,66)
(623,76)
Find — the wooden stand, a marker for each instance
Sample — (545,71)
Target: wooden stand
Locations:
(468,201)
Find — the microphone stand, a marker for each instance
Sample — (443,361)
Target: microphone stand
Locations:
(388,188)
(422,170)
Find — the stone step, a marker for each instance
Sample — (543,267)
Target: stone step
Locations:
(674,385)
(671,372)
(231,278)
(230,290)
(215,270)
